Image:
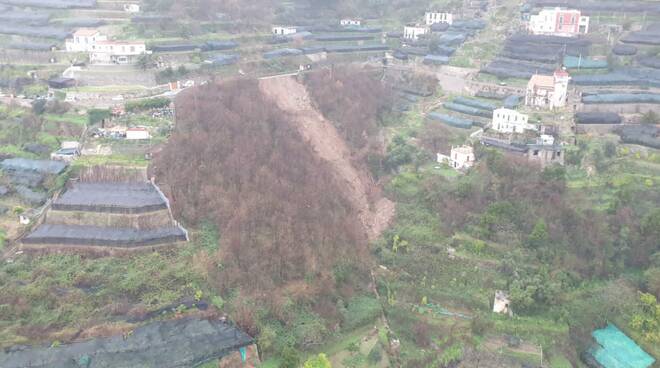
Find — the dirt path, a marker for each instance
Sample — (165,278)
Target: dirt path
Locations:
(292,97)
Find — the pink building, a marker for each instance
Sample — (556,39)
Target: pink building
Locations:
(559,22)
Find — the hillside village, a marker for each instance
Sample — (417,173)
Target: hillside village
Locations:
(346,183)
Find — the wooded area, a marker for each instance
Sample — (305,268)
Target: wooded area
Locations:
(234,161)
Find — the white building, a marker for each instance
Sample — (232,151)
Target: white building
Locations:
(558,22)
(501,304)
(116,52)
(413,32)
(132,8)
(83,40)
(510,121)
(545,140)
(350,22)
(460,157)
(438,17)
(283,31)
(137,133)
(548,91)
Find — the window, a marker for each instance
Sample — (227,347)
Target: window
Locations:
(561,19)
(536,152)
(132,48)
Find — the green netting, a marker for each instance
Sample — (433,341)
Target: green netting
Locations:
(576,62)
(616,350)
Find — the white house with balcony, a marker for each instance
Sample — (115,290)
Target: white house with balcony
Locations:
(432,18)
(510,121)
(83,40)
(412,32)
(460,157)
(117,52)
(283,30)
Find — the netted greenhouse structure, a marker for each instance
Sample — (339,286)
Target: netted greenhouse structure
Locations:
(107,215)
(644,135)
(186,342)
(451,120)
(597,118)
(624,50)
(525,55)
(621,98)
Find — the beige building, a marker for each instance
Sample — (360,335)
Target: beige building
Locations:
(548,91)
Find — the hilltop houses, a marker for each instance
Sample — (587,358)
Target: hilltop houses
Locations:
(432,18)
(548,91)
(83,40)
(558,22)
(510,121)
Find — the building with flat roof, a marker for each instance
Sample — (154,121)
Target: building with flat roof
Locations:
(510,121)
(116,52)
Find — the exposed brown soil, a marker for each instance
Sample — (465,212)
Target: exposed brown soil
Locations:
(375,211)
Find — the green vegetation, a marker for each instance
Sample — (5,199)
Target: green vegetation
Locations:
(319,361)
(68,291)
(147,104)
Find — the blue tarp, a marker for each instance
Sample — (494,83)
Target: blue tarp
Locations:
(616,350)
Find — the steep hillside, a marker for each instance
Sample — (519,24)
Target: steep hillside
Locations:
(374,211)
(257,160)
